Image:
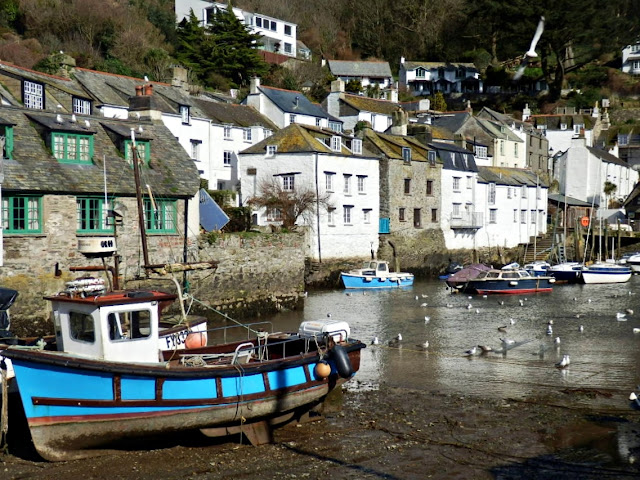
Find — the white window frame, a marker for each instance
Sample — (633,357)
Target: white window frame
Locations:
(523,217)
(292,118)
(509,192)
(288,183)
(431,156)
(288,48)
(406,154)
(195,150)
(336,143)
(33,95)
(456,184)
(290,30)
(362,184)
(493,215)
(81,106)
(492,194)
(226,158)
(577,127)
(455,210)
(356,146)
(185,115)
(534,214)
(524,191)
(271,150)
(366,215)
(481,151)
(469,181)
(347,184)
(346,214)
(246,134)
(227,132)
(515,215)
(328,181)
(331,216)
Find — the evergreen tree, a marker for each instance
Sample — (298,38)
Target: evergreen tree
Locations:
(230,49)
(191,38)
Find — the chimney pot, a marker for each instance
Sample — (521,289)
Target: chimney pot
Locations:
(138,90)
(148,89)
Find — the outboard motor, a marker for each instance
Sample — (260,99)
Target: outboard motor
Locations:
(7,297)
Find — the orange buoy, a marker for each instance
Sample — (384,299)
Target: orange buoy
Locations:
(322,370)
(196,340)
(584,221)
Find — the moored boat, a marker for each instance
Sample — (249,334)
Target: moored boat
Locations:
(112,382)
(566,272)
(460,279)
(510,280)
(375,274)
(606,272)
(537,267)
(633,261)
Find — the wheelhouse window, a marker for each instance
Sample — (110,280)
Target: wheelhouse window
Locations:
(92,215)
(21,214)
(160,216)
(81,106)
(143,149)
(6,140)
(82,327)
(129,325)
(72,148)
(33,95)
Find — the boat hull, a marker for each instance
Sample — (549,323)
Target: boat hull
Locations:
(592,275)
(534,285)
(372,281)
(566,273)
(78,408)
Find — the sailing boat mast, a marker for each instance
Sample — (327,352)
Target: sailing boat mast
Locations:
(136,177)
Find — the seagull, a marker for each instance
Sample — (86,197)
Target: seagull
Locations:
(471,352)
(469,307)
(375,341)
(503,329)
(417,298)
(507,341)
(557,341)
(477,310)
(628,311)
(636,330)
(577,315)
(485,348)
(348,294)
(484,296)
(588,300)
(146,79)
(424,295)
(449,305)
(633,397)
(521,302)
(549,330)
(622,317)
(427,318)
(550,322)
(469,297)
(423,304)
(328,315)
(513,322)
(581,328)
(424,345)
(396,341)
(501,302)
(564,362)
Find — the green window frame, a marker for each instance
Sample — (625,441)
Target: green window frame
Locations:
(162,218)
(21,214)
(92,215)
(143,148)
(6,131)
(72,147)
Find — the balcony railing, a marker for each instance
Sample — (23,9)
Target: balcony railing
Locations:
(467,220)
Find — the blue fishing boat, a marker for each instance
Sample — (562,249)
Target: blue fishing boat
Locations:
(566,272)
(375,274)
(538,268)
(110,380)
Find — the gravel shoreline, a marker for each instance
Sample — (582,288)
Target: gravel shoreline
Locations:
(390,433)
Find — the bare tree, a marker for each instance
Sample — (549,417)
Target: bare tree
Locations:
(292,204)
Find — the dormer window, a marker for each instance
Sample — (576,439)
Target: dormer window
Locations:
(184,114)
(6,140)
(563,126)
(336,143)
(227,132)
(356,146)
(246,135)
(72,147)
(267,132)
(577,128)
(420,72)
(33,95)
(406,154)
(431,156)
(81,106)
(271,150)
(143,149)
(480,151)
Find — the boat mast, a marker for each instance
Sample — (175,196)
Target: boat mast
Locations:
(136,177)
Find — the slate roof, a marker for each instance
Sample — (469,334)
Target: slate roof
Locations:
(412,65)
(391,145)
(515,177)
(496,131)
(553,122)
(290,101)
(454,157)
(368,104)
(451,121)
(233,114)
(65,84)
(345,68)
(112,89)
(607,157)
(298,138)
(573,202)
(33,169)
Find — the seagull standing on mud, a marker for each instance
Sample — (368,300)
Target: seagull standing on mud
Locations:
(471,352)
(531,53)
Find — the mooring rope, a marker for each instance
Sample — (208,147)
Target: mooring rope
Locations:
(193,299)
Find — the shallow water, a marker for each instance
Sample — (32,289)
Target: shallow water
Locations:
(604,356)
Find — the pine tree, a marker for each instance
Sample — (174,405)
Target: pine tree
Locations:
(230,49)
(191,37)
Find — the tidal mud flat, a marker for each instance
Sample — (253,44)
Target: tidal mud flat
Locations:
(389,433)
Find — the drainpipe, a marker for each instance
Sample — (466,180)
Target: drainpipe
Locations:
(318,212)
(185,285)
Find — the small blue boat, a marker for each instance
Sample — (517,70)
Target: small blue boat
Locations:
(376,274)
(566,272)
(538,268)
(508,280)
(111,381)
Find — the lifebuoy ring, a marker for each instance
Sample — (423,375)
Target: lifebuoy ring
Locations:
(584,221)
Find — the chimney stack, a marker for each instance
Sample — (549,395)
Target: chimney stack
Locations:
(399,122)
(253,85)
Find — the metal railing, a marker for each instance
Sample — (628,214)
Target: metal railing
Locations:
(467,220)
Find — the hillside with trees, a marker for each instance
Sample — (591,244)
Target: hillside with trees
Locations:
(140,37)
